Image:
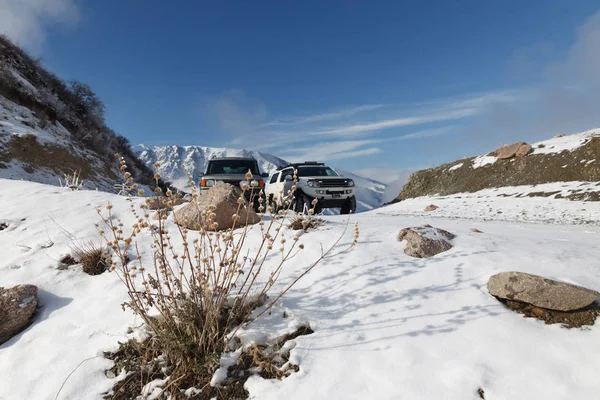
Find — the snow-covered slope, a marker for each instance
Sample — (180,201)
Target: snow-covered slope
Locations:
(387,326)
(369,192)
(195,158)
(555,145)
(564,158)
(41,151)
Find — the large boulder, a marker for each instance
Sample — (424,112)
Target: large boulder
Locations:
(510,150)
(17,306)
(540,292)
(222,200)
(523,150)
(425,241)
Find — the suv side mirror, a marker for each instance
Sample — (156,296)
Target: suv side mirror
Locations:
(265,174)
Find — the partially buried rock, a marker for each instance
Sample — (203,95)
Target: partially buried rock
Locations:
(17,306)
(425,241)
(431,207)
(540,292)
(223,201)
(476,230)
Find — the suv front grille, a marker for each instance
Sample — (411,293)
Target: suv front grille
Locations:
(332,182)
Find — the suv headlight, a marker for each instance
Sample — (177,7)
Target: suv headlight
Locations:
(312,183)
(350,182)
(210,182)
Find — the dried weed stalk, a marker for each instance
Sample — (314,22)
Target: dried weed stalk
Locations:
(200,287)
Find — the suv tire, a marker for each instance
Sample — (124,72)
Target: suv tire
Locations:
(349,207)
(300,201)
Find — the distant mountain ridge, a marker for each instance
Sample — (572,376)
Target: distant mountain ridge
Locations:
(195,158)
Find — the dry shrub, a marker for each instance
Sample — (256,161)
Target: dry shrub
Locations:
(94,260)
(305,222)
(161,203)
(195,293)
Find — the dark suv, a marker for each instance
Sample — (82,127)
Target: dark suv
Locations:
(233,170)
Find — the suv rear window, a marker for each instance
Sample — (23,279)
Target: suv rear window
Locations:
(217,167)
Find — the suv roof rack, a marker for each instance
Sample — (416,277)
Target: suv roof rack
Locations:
(299,164)
(216,157)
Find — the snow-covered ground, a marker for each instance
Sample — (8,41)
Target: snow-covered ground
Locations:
(510,204)
(387,326)
(369,192)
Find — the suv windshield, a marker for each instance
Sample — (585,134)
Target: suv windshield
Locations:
(216,167)
(316,171)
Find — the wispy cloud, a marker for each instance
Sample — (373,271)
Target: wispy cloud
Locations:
(357,129)
(24,21)
(338,150)
(344,113)
(343,133)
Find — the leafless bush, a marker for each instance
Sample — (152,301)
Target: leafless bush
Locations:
(305,222)
(72,181)
(200,287)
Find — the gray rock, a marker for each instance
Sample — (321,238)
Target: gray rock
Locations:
(540,292)
(17,306)
(425,241)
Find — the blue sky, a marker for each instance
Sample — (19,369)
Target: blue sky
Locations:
(367,86)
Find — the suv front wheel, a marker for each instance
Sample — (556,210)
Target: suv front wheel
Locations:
(349,206)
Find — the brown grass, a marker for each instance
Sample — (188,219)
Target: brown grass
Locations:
(305,222)
(94,260)
(56,158)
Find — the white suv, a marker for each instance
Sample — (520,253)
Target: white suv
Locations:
(314,181)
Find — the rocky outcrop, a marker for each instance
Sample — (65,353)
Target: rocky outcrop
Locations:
(509,150)
(17,306)
(534,169)
(425,241)
(540,291)
(222,202)
(524,149)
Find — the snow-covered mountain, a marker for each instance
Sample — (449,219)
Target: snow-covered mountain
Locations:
(369,193)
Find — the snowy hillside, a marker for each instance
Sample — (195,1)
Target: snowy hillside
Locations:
(386,325)
(556,145)
(195,158)
(49,127)
(34,150)
(564,158)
